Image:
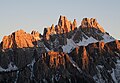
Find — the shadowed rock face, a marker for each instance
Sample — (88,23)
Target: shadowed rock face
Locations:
(80,65)
(63,54)
(98,60)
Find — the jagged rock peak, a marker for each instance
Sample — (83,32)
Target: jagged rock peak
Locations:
(19,39)
(36,35)
(34,32)
(64,26)
(91,23)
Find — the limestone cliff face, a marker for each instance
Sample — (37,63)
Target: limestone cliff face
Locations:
(20,39)
(57,34)
(63,54)
(91,23)
(31,65)
(36,35)
(85,59)
(64,26)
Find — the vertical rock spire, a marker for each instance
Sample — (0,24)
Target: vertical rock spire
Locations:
(85,59)
(64,26)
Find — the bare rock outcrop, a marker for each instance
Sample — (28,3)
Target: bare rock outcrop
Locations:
(85,59)
(36,35)
(91,23)
(64,26)
(56,58)
(20,39)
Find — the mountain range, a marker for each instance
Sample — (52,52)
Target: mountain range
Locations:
(64,53)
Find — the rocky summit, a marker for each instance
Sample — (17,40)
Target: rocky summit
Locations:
(20,39)
(64,53)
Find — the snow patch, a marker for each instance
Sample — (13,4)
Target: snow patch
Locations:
(113,76)
(17,74)
(100,66)
(85,42)
(98,77)
(31,68)
(75,65)
(46,48)
(57,77)
(107,38)
(116,72)
(69,46)
(11,67)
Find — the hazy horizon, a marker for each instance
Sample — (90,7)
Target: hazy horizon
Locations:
(36,15)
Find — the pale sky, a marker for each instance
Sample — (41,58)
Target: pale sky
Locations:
(37,14)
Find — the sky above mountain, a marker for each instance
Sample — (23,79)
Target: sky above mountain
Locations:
(37,14)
